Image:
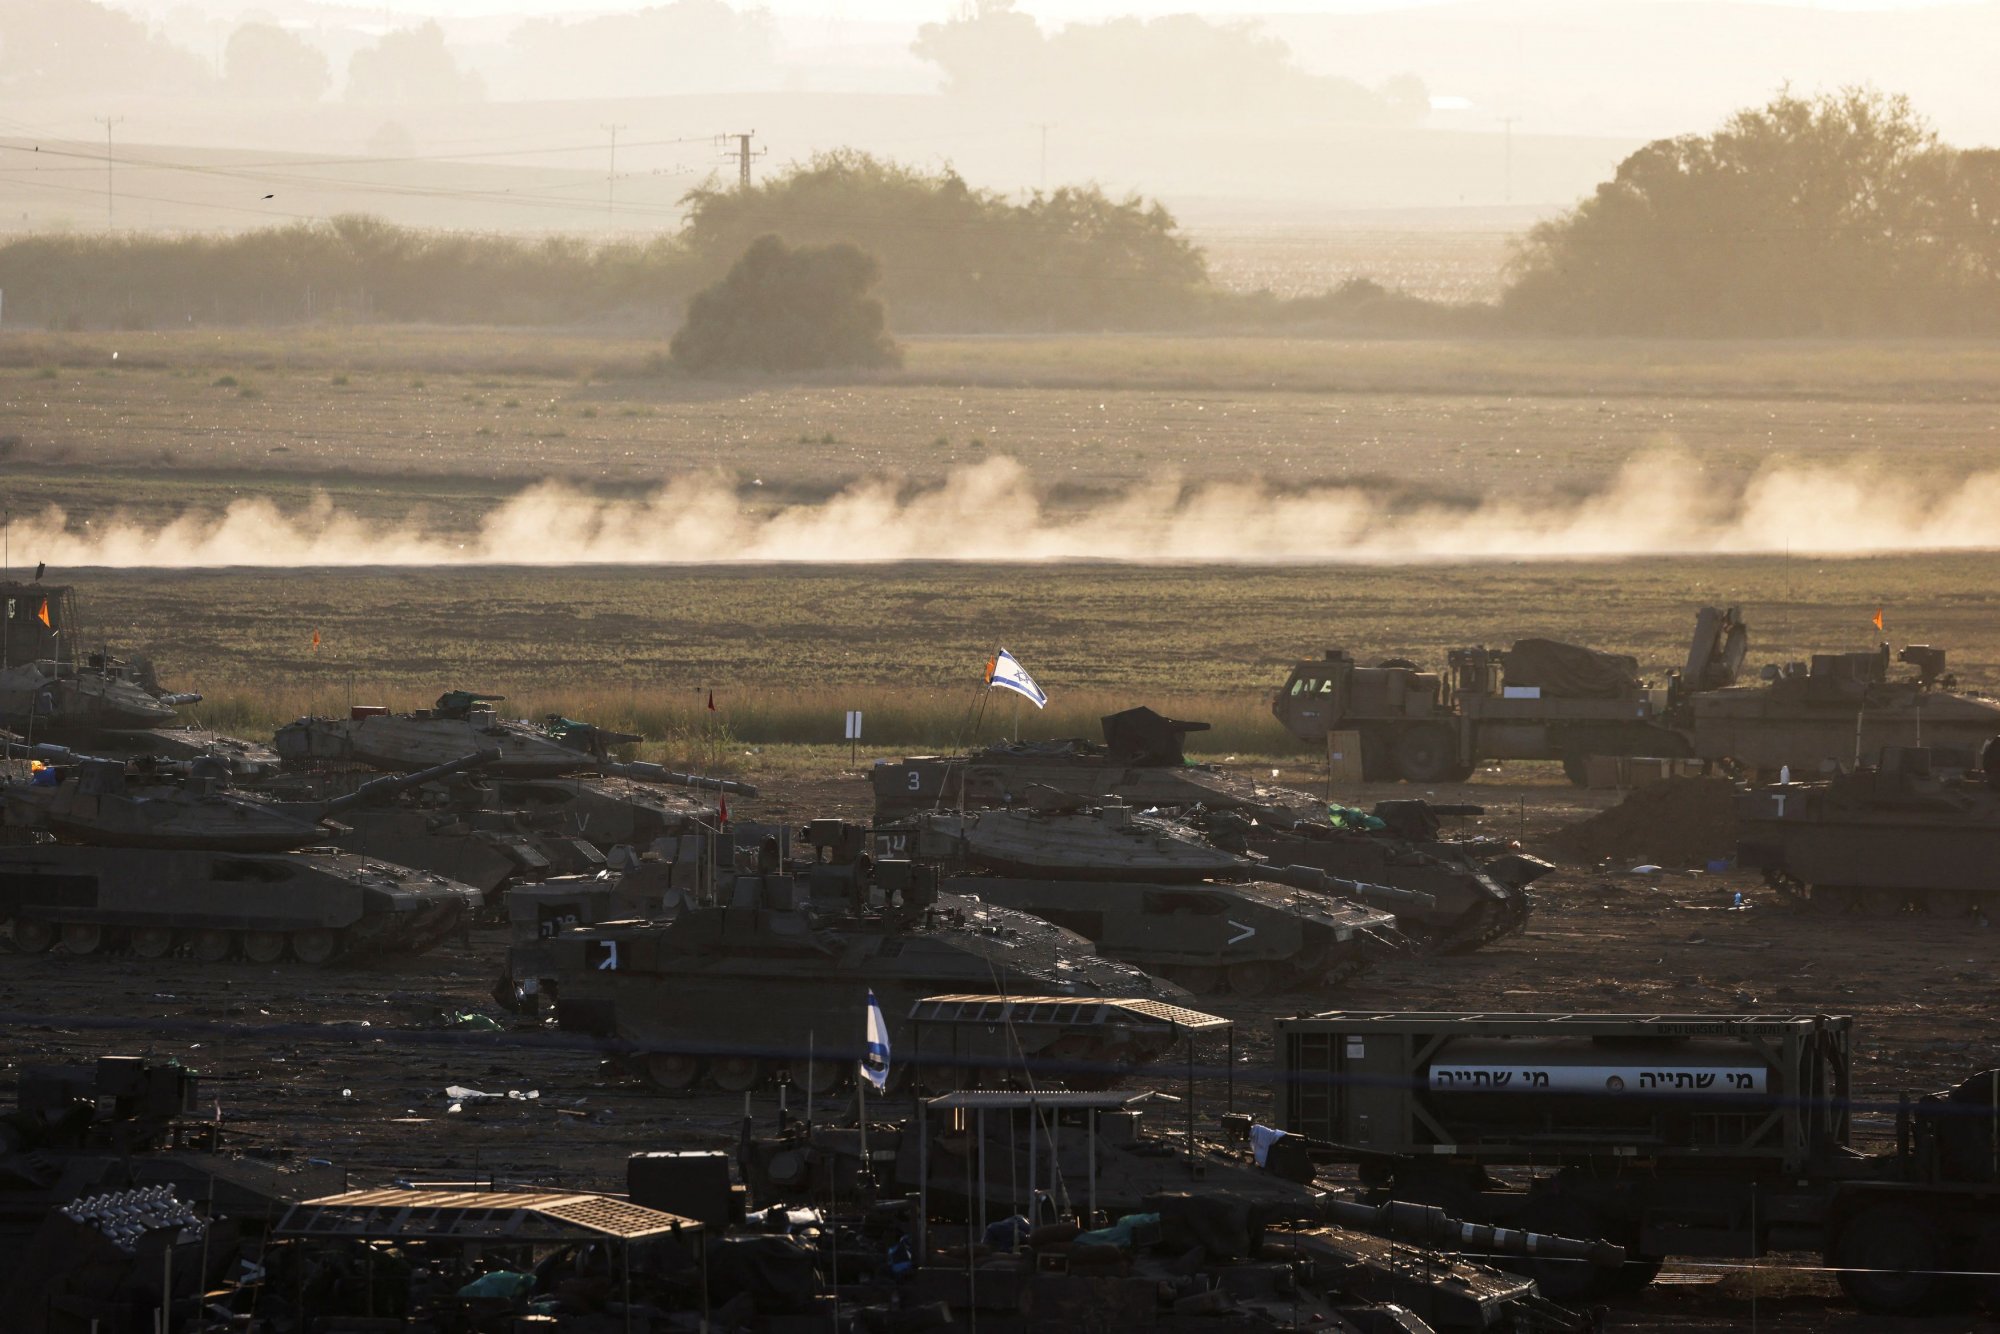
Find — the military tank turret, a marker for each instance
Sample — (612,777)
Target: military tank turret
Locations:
(1476,888)
(1914,833)
(754,960)
(157,863)
(153,803)
(1153,892)
(1142,762)
(462,720)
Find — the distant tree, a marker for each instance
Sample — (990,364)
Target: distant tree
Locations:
(1836,214)
(1180,65)
(264,61)
(964,258)
(67,46)
(688,46)
(410,65)
(781,309)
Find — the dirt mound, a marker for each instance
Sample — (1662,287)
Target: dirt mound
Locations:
(1678,822)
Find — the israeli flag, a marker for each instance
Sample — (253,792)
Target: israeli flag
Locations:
(875,1061)
(1008,674)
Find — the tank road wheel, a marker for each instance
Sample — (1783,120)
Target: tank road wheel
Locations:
(1576,768)
(671,1071)
(820,1078)
(315,946)
(32,935)
(263,946)
(1952,903)
(1426,754)
(736,1074)
(1200,978)
(152,942)
(1880,902)
(1249,980)
(213,946)
(82,937)
(1888,1258)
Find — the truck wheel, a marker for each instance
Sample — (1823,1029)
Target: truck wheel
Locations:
(1426,754)
(1576,768)
(1888,1258)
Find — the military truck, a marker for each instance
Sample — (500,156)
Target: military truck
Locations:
(1667,1134)
(1546,700)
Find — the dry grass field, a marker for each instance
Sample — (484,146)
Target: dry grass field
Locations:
(433,428)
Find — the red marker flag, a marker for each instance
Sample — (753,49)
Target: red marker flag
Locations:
(722,807)
(711,701)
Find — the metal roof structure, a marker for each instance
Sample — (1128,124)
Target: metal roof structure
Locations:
(1069,1011)
(1001,1099)
(496,1216)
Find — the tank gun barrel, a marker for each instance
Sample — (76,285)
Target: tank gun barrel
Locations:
(1428,1225)
(1312,878)
(381,789)
(646,772)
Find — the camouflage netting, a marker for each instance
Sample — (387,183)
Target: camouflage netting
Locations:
(1680,822)
(1570,671)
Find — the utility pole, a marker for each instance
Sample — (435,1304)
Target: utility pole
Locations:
(611,176)
(1507,124)
(107,122)
(741,152)
(1043,126)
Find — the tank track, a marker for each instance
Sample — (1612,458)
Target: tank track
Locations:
(370,938)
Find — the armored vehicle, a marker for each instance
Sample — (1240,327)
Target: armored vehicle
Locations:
(1544,700)
(1153,892)
(1840,710)
(460,721)
(1470,891)
(158,862)
(151,803)
(757,964)
(1142,761)
(1909,833)
(53,685)
(315,905)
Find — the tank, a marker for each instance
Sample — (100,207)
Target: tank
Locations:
(1153,892)
(1477,888)
(52,684)
(754,964)
(158,859)
(1913,833)
(1142,761)
(154,803)
(314,906)
(1473,890)
(1841,709)
(462,720)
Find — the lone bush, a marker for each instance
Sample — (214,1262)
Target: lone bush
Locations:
(785,309)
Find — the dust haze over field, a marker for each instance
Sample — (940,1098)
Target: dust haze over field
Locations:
(1661,502)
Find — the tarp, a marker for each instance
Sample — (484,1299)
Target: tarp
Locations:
(1571,671)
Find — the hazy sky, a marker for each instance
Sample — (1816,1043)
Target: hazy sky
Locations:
(1049,11)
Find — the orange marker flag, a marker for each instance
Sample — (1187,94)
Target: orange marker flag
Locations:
(315,639)
(43,615)
(1878,618)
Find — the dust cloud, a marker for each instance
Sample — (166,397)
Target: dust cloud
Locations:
(1661,502)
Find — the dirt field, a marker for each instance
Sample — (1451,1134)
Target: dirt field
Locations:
(348,1064)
